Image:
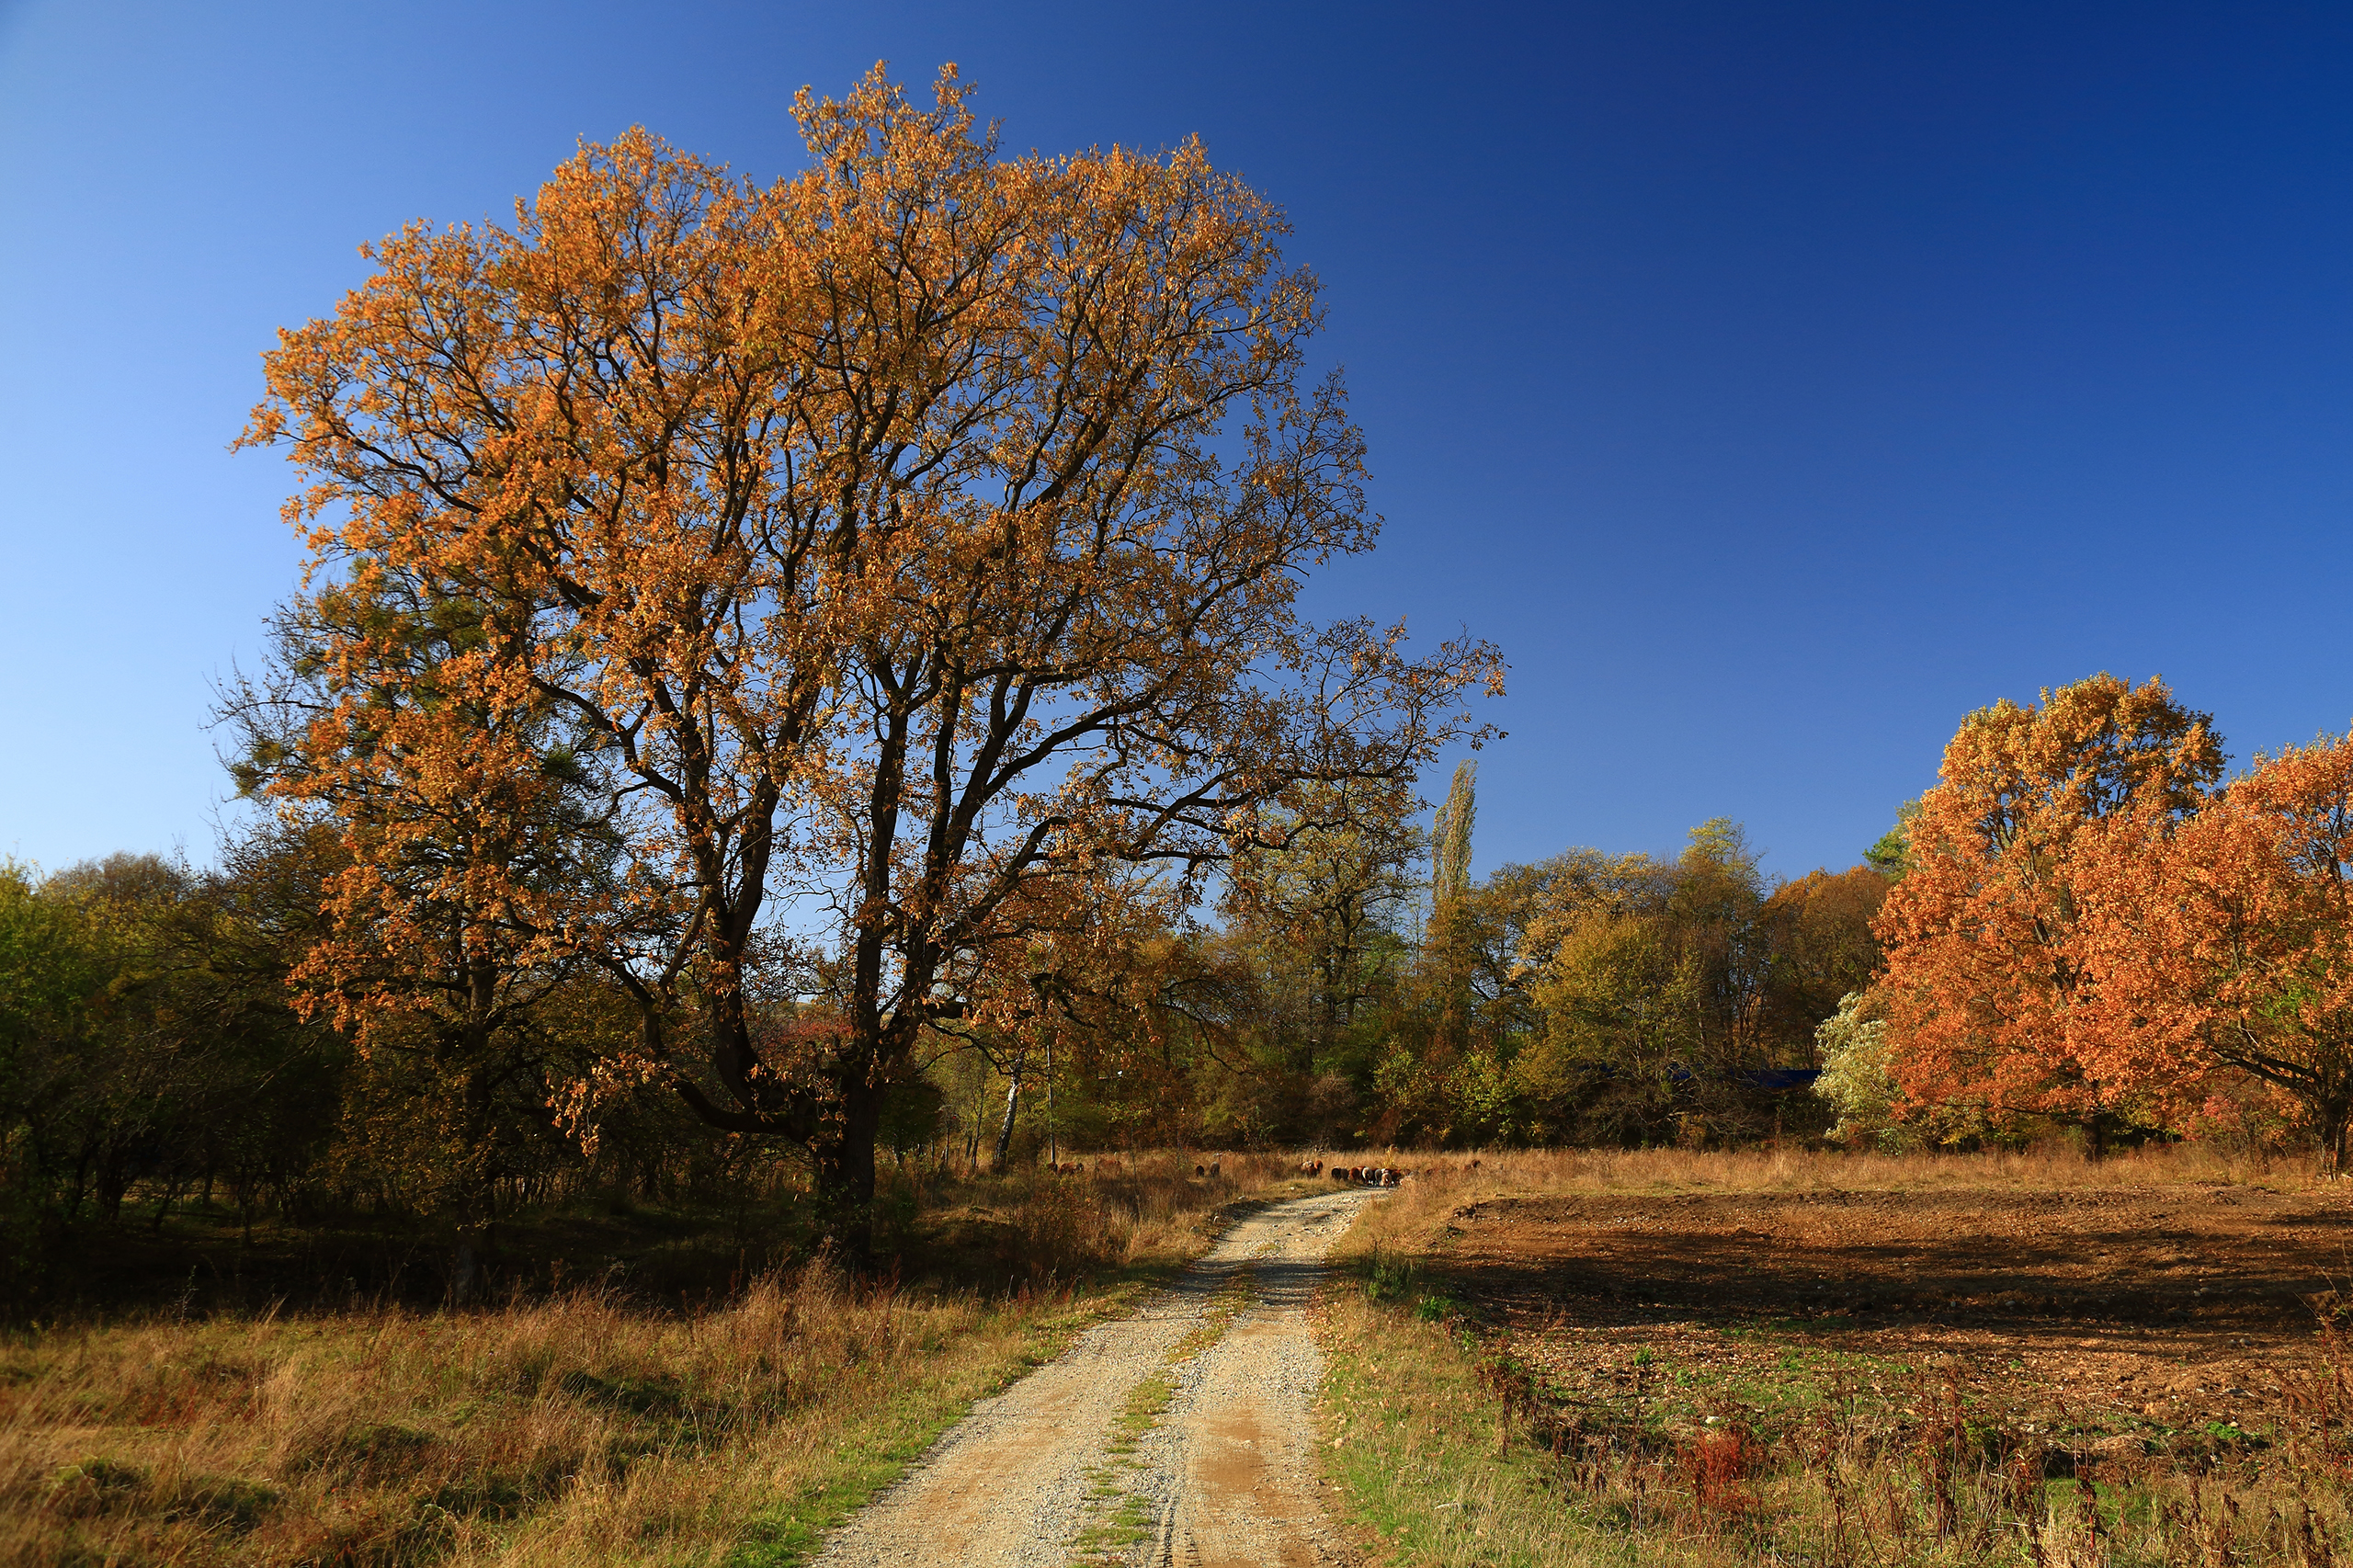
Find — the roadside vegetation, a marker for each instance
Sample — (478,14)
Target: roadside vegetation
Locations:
(575,1424)
(1481,1408)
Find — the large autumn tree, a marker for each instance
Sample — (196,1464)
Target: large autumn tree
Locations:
(2225,941)
(894,547)
(1988,985)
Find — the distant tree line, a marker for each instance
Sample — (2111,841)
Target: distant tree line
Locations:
(2082,929)
(168,1039)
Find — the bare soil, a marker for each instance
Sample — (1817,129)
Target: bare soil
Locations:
(1180,1437)
(2151,1310)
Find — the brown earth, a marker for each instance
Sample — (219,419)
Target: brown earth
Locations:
(2163,1307)
(1179,1437)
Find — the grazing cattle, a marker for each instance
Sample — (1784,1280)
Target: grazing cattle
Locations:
(1311,1167)
(1200,1170)
(1339,1173)
(1212,1167)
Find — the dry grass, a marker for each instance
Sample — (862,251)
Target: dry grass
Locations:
(1463,1438)
(1123,1212)
(583,1427)
(1443,1181)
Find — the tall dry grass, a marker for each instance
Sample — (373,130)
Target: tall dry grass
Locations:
(563,1431)
(582,1427)
(1441,1182)
(1117,1212)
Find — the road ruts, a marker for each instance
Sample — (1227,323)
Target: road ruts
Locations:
(1227,1476)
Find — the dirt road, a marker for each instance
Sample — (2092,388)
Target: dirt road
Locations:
(1180,1438)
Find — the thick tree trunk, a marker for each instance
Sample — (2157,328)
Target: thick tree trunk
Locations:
(845,1175)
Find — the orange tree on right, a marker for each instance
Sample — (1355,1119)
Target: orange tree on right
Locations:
(1988,984)
(2093,928)
(2223,941)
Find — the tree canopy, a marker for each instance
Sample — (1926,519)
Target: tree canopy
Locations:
(907,544)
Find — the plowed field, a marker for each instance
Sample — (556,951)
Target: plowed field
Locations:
(2157,1309)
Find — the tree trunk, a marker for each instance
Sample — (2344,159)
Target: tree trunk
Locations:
(844,1175)
(465,1269)
(1006,1128)
(1004,1131)
(171,1188)
(114,1181)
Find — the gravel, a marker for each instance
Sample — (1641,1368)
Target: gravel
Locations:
(1226,1476)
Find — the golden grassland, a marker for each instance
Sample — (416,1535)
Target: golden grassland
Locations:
(581,1426)
(1445,1181)
(591,1426)
(1458,1436)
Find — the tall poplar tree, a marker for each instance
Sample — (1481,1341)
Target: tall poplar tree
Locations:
(1449,938)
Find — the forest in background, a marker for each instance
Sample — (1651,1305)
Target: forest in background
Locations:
(2082,931)
(160,1053)
(795,686)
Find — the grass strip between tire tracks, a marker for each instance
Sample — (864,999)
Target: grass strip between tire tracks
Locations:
(1123,1517)
(875,1452)
(875,1449)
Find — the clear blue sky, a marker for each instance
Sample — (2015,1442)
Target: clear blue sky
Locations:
(1775,383)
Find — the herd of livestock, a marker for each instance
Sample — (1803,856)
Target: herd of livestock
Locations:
(1361,1176)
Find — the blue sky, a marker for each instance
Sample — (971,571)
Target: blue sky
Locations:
(1775,383)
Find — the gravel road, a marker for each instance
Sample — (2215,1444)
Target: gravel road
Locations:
(1224,1475)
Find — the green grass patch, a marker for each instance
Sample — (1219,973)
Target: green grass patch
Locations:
(1121,1518)
(900,1432)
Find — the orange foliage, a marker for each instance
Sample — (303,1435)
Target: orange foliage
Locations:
(2225,940)
(1988,988)
(919,536)
(1818,929)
